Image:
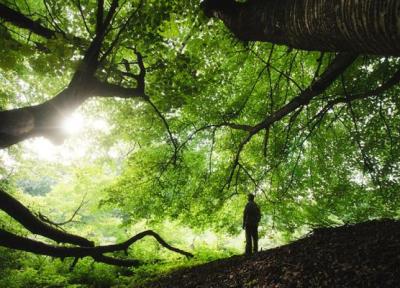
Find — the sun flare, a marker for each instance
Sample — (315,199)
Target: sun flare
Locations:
(73,124)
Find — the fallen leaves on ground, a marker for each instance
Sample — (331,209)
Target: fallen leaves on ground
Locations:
(361,255)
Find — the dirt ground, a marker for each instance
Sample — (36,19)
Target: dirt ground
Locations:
(361,255)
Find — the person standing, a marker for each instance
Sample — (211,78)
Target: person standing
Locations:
(251,218)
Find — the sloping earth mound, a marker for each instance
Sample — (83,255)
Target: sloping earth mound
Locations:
(361,255)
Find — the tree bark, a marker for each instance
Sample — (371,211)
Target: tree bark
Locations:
(359,26)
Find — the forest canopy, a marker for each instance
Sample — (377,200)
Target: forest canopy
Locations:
(135,114)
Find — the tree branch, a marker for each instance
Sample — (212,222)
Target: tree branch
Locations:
(69,220)
(22,214)
(104,89)
(52,20)
(100,15)
(91,59)
(20,20)
(394,80)
(45,119)
(332,72)
(19,212)
(16,242)
(78,4)
(165,122)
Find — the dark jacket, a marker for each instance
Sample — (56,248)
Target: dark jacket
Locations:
(251,214)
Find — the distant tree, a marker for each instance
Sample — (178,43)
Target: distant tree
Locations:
(40,187)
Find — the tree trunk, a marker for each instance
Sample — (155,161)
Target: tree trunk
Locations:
(360,26)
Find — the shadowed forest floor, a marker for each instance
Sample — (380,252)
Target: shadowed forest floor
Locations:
(361,255)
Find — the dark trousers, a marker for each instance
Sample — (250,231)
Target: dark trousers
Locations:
(251,239)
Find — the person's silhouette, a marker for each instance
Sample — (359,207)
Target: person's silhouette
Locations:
(251,217)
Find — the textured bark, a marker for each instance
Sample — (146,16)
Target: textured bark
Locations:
(360,26)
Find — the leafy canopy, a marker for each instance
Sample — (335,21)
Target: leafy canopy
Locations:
(310,168)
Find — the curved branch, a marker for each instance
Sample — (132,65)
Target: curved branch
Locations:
(165,122)
(125,245)
(331,73)
(19,212)
(69,220)
(334,70)
(16,242)
(86,248)
(394,80)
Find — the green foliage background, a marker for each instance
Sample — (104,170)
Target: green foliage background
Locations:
(306,172)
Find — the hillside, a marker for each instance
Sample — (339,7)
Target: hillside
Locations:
(361,255)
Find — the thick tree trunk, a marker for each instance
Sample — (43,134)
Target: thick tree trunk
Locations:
(360,26)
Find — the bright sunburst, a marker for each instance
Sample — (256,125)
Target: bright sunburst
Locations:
(73,124)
